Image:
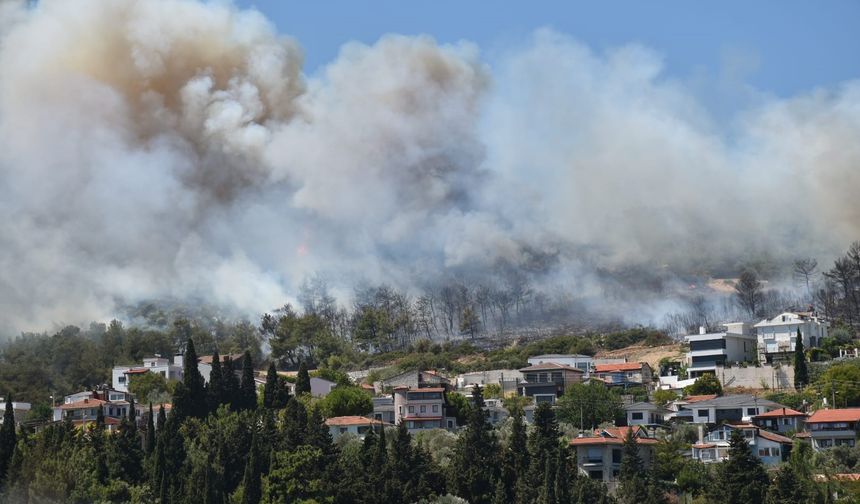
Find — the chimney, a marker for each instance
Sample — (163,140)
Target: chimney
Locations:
(702,330)
(701,434)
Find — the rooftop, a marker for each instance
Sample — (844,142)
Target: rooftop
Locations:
(734,401)
(85,403)
(624,366)
(343,421)
(781,412)
(560,356)
(550,366)
(698,398)
(835,415)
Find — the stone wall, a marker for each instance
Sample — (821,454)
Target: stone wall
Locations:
(781,377)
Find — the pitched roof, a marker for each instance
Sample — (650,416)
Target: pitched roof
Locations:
(136,371)
(835,415)
(207,359)
(343,421)
(84,403)
(774,437)
(624,366)
(549,366)
(600,440)
(781,412)
(704,445)
(734,401)
(643,406)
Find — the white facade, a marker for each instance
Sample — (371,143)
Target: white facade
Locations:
(770,448)
(644,413)
(121,375)
(778,335)
(735,408)
(710,350)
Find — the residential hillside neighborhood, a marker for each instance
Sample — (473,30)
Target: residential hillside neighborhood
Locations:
(603,406)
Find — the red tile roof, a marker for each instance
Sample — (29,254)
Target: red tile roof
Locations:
(84,403)
(351,420)
(774,437)
(704,445)
(698,398)
(624,366)
(835,415)
(136,371)
(781,412)
(619,432)
(548,366)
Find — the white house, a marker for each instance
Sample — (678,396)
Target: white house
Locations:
(771,448)
(505,378)
(732,408)
(709,350)
(320,387)
(170,370)
(833,427)
(356,425)
(19,409)
(776,337)
(645,413)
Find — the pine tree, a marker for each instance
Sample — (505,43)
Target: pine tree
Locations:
(8,439)
(270,387)
(542,445)
(248,388)
(500,496)
(215,389)
(295,425)
(252,489)
(742,478)
(633,485)
(788,487)
(125,453)
(400,484)
(149,444)
(801,373)
(303,380)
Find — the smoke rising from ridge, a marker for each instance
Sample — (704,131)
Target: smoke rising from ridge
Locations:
(175,148)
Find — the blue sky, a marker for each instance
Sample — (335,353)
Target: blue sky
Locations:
(783,48)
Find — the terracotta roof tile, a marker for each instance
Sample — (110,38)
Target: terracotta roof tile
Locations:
(774,437)
(835,415)
(624,366)
(351,420)
(781,412)
(549,366)
(697,398)
(85,403)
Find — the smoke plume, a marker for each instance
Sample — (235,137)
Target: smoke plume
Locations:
(171,148)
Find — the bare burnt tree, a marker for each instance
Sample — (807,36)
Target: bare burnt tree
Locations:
(804,272)
(449,304)
(748,292)
(483,298)
(844,274)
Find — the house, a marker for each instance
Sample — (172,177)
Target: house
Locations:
(383,409)
(645,413)
(781,420)
(732,408)
(581,362)
(19,409)
(546,382)
(121,376)
(356,425)
(82,408)
(624,373)
(833,427)
(413,379)
(422,408)
(320,387)
(678,410)
(599,456)
(496,412)
(776,337)
(507,379)
(710,350)
(770,448)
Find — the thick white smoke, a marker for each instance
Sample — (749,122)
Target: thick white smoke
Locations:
(175,148)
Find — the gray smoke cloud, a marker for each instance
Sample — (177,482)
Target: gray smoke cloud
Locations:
(172,148)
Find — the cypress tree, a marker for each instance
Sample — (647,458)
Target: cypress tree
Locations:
(801,373)
(149,444)
(252,488)
(475,462)
(99,446)
(162,418)
(248,388)
(742,478)
(195,387)
(303,380)
(633,486)
(215,389)
(164,489)
(562,483)
(547,494)
(231,384)
(542,445)
(271,386)
(8,439)
(500,496)
(788,487)
(401,480)
(295,425)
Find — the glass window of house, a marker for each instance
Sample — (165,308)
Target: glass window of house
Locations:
(702,413)
(435,408)
(636,415)
(412,409)
(752,411)
(423,409)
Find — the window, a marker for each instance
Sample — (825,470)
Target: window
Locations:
(775,452)
(786,421)
(423,409)
(636,415)
(749,434)
(435,408)
(825,443)
(377,416)
(595,454)
(597,475)
(702,413)
(764,452)
(616,456)
(412,409)
(401,410)
(343,430)
(121,379)
(752,411)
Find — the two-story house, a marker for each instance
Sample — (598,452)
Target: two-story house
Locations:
(599,456)
(710,350)
(422,408)
(771,448)
(625,373)
(20,410)
(582,362)
(781,420)
(383,408)
(833,427)
(546,382)
(776,337)
(83,408)
(413,379)
(121,376)
(731,408)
